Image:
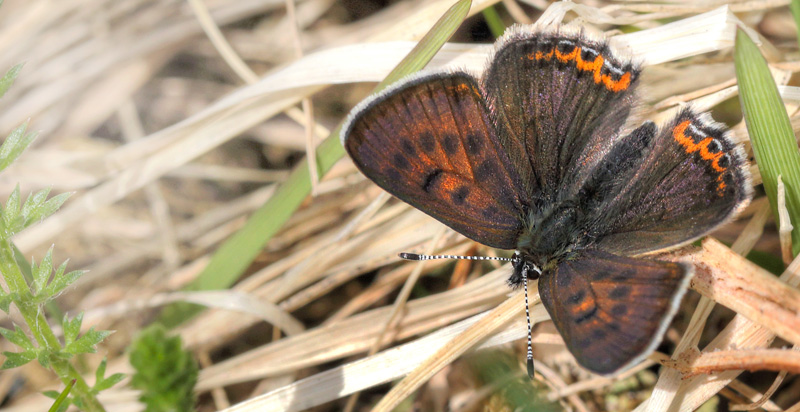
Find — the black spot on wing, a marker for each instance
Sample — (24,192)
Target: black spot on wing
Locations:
(599,334)
(486,171)
(588,54)
(430,180)
(602,275)
(566,46)
(577,297)
(714,147)
(459,196)
(450,144)
(588,314)
(408,147)
(427,142)
(400,161)
(620,292)
(474,144)
(620,309)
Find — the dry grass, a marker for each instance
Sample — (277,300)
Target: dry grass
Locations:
(170,140)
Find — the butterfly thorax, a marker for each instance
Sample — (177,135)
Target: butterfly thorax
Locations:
(552,235)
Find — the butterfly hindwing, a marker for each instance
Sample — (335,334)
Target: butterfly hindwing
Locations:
(612,310)
(562,98)
(429,141)
(692,178)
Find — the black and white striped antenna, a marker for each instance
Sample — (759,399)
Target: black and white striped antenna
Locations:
(415,256)
(515,259)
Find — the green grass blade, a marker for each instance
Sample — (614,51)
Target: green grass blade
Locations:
(794,5)
(61,403)
(493,20)
(235,255)
(774,143)
(8,79)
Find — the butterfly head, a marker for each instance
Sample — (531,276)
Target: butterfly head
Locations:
(524,267)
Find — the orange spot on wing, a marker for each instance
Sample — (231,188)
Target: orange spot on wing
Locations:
(679,133)
(592,66)
(587,304)
(595,67)
(567,57)
(617,85)
(547,56)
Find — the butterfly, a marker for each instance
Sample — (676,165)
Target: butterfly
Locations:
(541,155)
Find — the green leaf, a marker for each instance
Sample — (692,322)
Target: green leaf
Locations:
(71,328)
(18,337)
(61,282)
(43,356)
(234,256)
(87,342)
(9,77)
(101,371)
(34,202)
(50,306)
(41,273)
(771,134)
(109,382)
(48,208)
(165,372)
(5,301)
(14,359)
(11,216)
(15,144)
(62,399)
(51,394)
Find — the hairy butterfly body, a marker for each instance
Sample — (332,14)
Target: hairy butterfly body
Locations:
(537,156)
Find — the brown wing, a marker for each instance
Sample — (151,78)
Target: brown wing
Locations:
(612,311)
(691,178)
(429,141)
(563,98)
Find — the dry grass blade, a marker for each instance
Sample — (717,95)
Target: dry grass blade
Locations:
(377,369)
(135,95)
(742,359)
(737,283)
(482,329)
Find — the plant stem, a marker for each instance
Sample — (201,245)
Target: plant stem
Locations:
(40,329)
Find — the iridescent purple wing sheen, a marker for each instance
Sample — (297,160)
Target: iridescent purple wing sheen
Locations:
(429,141)
(563,100)
(690,179)
(612,311)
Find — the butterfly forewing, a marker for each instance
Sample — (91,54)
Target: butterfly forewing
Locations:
(430,142)
(563,99)
(612,310)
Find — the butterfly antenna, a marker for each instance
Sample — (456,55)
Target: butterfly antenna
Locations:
(528,321)
(415,256)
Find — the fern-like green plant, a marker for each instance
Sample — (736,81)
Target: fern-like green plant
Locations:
(165,372)
(36,339)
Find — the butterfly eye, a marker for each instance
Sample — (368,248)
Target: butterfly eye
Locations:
(532,270)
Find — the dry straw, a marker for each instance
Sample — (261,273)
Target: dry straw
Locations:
(80,75)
